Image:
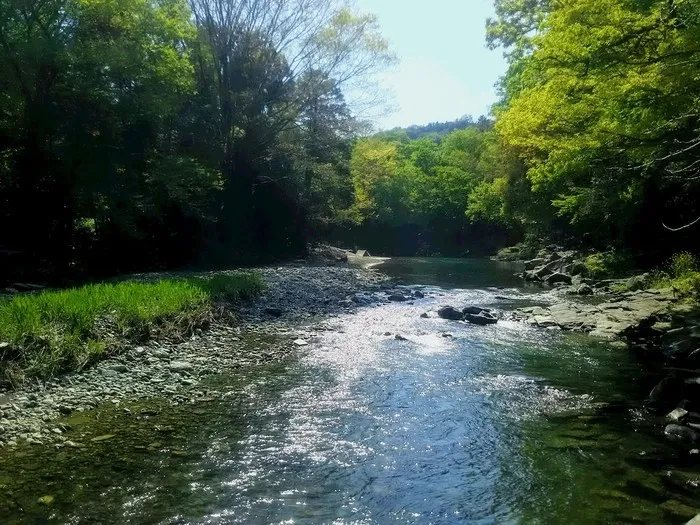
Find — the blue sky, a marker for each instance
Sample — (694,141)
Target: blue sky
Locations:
(445,69)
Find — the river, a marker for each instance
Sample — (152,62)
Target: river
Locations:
(455,424)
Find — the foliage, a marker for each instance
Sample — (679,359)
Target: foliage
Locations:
(56,331)
(171,132)
(607,264)
(601,104)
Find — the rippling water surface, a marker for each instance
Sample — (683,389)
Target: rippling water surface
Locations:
(457,424)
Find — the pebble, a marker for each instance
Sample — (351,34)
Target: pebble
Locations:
(155,369)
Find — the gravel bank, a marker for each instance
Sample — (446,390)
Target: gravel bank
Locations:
(297,297)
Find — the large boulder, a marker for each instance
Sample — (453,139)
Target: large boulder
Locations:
(450,313)
(331,254)
(638,282)
(557,277)
(534,263)
(666,394)
(584,289)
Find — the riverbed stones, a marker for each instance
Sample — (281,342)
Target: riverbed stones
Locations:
(152,368)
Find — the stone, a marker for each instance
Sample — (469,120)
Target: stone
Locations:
(638,282)
(109,373)
(274,312)
(418,294)
(398,298)
(666,393)
(677,415)
(122,369)
(678,509)
(399,337)
(362,253)
(450,313)
(46,500)
(482,319)
(584,289)
(181,366)
(474,310)
(534,263)
(424,315)
(681,433)
(545,321)
(557,278)
(578,268)
(104,437)
(300,342)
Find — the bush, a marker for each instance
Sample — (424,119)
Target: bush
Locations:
(54,331)
(607,264)
(682,264)
(681,275)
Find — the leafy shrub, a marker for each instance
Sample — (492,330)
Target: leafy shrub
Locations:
(607,264)
(682,264)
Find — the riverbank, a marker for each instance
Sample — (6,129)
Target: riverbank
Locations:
(296,297)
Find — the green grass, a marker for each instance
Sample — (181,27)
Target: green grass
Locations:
(682,274)
(57,331)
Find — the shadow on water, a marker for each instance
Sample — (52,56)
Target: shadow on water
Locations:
(453,423)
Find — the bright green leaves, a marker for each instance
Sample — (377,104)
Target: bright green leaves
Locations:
(596,108)
(425,180)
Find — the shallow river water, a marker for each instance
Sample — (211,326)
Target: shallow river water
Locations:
(457,424)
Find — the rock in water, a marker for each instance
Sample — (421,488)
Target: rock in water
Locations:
(398,298)
(681,433)
(300,342)
(677,415)
(666,393)
(482,319)
(418,294)
(448,312)
(424,315)
(399,337)
(474,310)
(274,312)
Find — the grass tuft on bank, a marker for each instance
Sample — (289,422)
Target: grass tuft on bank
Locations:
(682,274)
(48,333)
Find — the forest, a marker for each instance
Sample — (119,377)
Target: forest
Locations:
(146,134)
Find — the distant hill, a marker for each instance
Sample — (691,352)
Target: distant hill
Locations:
(436,129)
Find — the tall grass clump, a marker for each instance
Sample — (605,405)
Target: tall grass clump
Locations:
(681,273)
(56,331)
